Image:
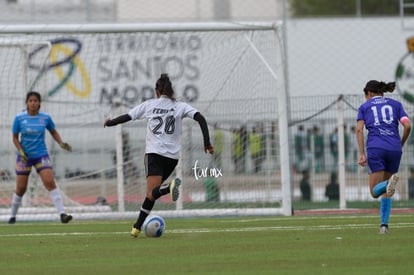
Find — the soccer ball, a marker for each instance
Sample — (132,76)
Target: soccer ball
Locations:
(153,226)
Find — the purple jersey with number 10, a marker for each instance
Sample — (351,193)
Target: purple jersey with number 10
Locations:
(382,116)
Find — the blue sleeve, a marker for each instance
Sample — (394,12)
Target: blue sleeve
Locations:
(50,124)
(16,126)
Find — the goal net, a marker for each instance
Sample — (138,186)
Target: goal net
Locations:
(232,73)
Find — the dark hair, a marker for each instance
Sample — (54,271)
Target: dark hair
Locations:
(33,93)
(164,86)
(378,87)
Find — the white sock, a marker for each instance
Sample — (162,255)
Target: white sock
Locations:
(16,200)
(57,200)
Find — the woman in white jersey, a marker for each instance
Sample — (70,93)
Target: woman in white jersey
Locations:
(28,130)
(163,142)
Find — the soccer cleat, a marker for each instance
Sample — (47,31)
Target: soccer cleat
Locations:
(65,218)
(174,191)
(135,232)
(12,220)
(383,229)
(392,182)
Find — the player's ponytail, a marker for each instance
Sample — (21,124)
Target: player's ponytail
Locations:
(378,87)
(386,87)
(390,87)
(164,86)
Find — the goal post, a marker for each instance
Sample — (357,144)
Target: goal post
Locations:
(233,73)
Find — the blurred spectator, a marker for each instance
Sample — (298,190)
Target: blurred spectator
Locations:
(300,149)
(333,146)
(212,189)
(347,145)
(319,150)
(353,160)
(332,189)
(255,144)
(218,146)
(263,145)
(305,187)
(274,139)
(411,184)
(236,151)
(244,138)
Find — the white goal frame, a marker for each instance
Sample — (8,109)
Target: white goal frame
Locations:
(282,96)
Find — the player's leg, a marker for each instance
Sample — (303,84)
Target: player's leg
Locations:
(385,206)
(147,205)
(171,187)
(158,169)
(377,184)
(23,169)
(21,187)
(391,167)
(153,172)
(385,210)
(44,169)
(376,159)
(153,186)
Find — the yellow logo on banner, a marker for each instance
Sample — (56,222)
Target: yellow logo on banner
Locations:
(78,63)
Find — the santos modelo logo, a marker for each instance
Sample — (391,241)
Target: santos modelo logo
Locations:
(64,51)
(123,66)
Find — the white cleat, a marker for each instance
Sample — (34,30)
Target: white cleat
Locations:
(392,182)
(174,191)
(383,229)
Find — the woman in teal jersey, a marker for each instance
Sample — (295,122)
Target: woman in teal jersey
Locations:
(28,130)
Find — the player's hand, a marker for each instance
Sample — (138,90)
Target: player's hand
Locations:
(209,149)
(362,160)
(23,156)
(66,146)
(106,121)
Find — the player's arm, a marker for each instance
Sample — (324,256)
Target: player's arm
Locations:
(19,147)
(360,138)
(405,121)
(56,136)
(204,129)
(118,120)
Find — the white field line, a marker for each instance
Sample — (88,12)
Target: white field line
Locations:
(218,230)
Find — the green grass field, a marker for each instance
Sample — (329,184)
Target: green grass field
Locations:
(241,245)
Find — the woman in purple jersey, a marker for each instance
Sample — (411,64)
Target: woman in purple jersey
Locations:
(381,117)
(164,116)
(29,138)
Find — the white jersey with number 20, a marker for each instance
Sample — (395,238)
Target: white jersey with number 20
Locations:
(164,124)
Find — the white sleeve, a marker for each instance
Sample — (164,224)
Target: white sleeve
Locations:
(189,111)
(138,111)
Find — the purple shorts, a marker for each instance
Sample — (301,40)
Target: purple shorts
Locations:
(383,160)
(24,168)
